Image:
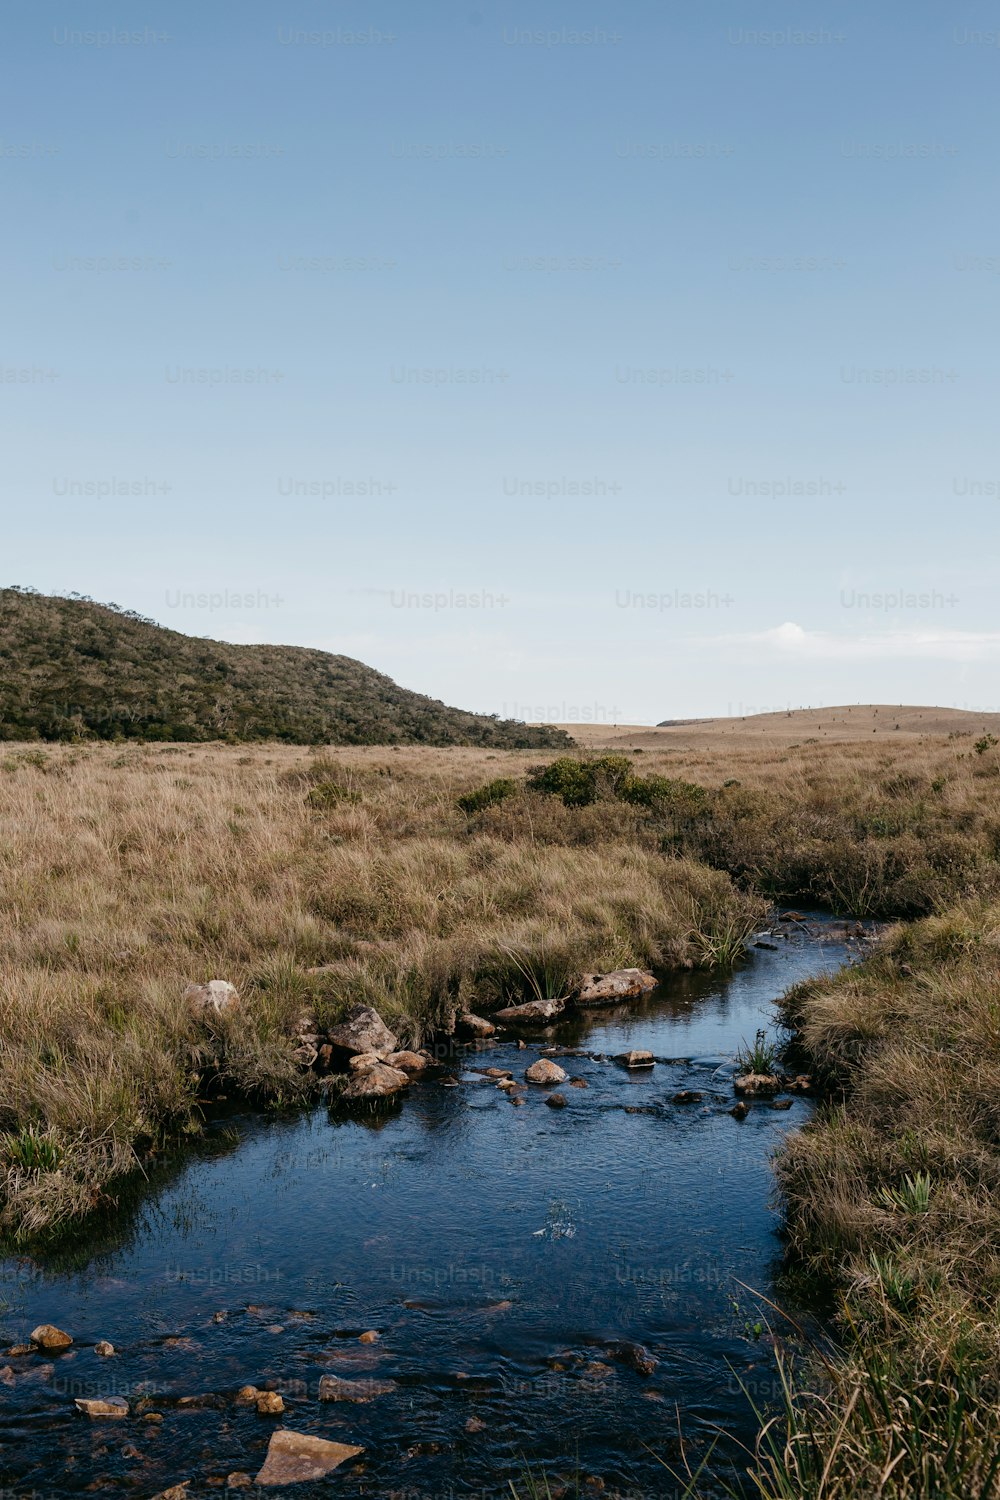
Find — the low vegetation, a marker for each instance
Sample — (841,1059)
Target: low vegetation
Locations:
(311,882)
(893,1199)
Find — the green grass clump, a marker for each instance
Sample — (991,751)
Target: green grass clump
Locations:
(488,796)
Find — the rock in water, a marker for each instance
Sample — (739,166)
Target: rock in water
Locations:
(544,1071)
(269,1404)
(407,1062)
(757,1083)
(534,1013)
(333,1388)
(636,1059)
(216,998)
(294,1457)
(637,1357)
(556,1101)
(104,1348)
(115,1407)
(46,1336)
(377,1082)
(620,984)
(363,1031)
(475,1025)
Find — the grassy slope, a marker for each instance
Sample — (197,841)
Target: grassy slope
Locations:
(72,669)
(127,873)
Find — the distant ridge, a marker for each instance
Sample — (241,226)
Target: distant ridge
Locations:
(74,669)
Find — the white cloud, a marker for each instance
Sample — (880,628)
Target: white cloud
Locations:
(792,640)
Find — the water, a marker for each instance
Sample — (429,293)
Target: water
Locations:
(504,1256)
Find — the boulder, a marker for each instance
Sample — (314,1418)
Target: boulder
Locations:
(474,1025)
(294,1457)
(115,1407)
(534,1013)
(104,1348)
(362,1031)
(407,1062)
(377,1082)
(216,998)
(269,1404)
(364,1061)
(247,1395)
(556,1101)
(620,984)
(757,1083)
(545,1071)
(637,1058)
(46,1336)
(333,1388)
(740,1110)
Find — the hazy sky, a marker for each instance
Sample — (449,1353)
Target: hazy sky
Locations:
(667,332)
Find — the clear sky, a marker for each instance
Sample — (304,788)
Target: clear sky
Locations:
(666,332)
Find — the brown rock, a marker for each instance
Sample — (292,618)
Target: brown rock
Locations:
(323,1060)
(688,1096)
(801,1084)
(620,984)
(375,1083)
(371,1337)
(637,1058)
(333,1388)
(781,1103)
(556,1101)
(757,1083)
(545,1071)
(637,1357)
(115,1407)
(175,1492)
(46,1336)
(534,1013)
(7,1376)
(247,1395)
(104,1348)
(740,1110)
(239,1480)
(216,998)
(407,1062)
(497,1073)
(362,1031)
(306,1054)
(475,1424)
(294,1457)
(579,1083)
(269,1404)
(16,1351)
(364,1062)
(475,1025)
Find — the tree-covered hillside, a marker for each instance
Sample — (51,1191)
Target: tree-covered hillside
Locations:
(74,669)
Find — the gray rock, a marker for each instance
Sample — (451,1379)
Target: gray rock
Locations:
(534,1013)
(216,998)
(377,1082)
(333,1388)
(362,1031)
(620,984)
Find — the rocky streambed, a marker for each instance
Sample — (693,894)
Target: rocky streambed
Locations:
(531,1255)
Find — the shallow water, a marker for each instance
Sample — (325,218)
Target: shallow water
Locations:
(502,1254)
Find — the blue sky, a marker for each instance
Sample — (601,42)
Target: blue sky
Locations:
(560,360)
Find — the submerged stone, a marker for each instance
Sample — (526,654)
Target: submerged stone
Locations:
(115,1407)
(333,1388)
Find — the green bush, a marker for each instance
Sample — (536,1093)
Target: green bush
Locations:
(488,795)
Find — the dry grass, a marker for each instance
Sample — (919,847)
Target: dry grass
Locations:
(126,874)
(893,1198)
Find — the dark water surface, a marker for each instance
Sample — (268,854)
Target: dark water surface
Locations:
(502,1254)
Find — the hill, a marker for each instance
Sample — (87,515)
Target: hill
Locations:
(849,722)
(73,669)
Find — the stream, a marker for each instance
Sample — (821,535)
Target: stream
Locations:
(509,1260)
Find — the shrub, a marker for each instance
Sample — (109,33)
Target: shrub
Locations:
(488,796)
